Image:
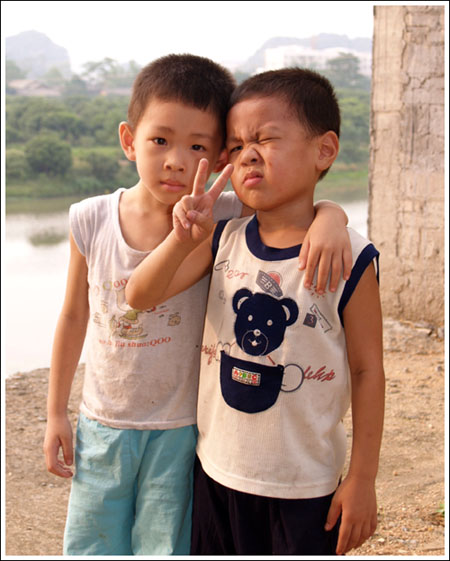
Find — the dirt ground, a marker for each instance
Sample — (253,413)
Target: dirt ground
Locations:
(410,483)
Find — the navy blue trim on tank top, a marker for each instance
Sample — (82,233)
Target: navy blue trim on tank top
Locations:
(264,252)
(367,255)
(216,237)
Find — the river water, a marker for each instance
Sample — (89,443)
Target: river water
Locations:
(35,258)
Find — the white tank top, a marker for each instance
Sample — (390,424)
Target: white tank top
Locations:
(142,365)
(274,380)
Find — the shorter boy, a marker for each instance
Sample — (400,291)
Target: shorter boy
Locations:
(280,363)
(136,434)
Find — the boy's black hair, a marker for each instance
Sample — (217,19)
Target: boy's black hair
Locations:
(196,81)
(310,96)
(308,93)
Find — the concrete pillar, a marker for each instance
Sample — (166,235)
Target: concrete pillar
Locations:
(406,175)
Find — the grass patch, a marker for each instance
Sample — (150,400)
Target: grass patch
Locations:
(344,184)
(48,237)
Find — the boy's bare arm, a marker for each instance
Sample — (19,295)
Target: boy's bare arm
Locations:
(67,346)
(184,257)
(355,498)
(171,268)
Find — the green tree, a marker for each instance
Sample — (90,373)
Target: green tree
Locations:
(355,118)
(54,78)
(48,154)
(76,86)
(343,72)
(34,113)
(13,72)
(16,165)
(108,73)
(103,167)
(99,72)
(67,125)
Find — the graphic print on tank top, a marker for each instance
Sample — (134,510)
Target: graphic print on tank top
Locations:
(260,326)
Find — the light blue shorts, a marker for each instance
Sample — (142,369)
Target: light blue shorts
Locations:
(132,491)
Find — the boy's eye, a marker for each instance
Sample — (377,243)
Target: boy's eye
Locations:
(235,149)
(160,141)
(198,147)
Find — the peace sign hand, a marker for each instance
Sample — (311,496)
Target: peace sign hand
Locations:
(192,216)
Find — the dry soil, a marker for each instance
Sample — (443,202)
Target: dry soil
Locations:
(410,484)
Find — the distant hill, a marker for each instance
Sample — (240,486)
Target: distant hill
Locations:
(321,41)
(36,54)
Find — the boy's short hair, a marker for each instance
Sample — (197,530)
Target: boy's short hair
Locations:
(196,81)
(310,95)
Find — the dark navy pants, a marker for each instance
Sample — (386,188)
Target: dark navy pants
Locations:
(229,522)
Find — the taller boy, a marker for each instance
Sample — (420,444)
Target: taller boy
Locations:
(280,363)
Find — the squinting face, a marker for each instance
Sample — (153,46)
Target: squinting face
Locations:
(168,143)
(273,157)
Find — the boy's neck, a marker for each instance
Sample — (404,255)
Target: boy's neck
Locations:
(286,226)
(144,221)
(146,202)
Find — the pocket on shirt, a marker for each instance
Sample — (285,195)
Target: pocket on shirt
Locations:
(248,386)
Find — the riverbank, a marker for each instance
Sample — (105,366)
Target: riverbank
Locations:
(410,484)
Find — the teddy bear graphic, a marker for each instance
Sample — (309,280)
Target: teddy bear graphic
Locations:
(261,321)
(260,326)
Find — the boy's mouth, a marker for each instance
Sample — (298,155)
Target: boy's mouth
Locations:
(173,186)
(252,178)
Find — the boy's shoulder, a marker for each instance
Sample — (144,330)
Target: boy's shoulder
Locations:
(359,242)
(97,201)
(97,206)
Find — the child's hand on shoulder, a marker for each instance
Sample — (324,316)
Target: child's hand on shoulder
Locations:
(192,215)
(327,249)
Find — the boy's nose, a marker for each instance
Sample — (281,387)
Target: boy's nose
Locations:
(174,165)
(174,161)
(249,155)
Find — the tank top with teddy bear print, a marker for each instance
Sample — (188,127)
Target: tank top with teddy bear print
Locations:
(274,378)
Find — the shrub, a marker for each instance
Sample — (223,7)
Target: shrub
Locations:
(47,154)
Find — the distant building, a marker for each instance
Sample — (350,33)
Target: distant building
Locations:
(298,55)
(119,92)
(29,87)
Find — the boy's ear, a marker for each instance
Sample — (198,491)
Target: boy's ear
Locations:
(222,161)
(328,150)
(127,140)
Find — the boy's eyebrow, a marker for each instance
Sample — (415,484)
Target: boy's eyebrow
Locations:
(231,139)
(165,129)
(267,129)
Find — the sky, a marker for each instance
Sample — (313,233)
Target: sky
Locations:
(228,32)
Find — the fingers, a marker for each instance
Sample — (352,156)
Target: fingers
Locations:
(303,255)
(323,272)
(200,178)
(349,537)
(333,515)
(180,210)
(67,451)
(335,274)
(330,267)
(353,532)
(203,221)
(219,184)
(56,466)
(311,264)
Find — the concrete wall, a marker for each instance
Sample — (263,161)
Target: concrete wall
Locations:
(406,179)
